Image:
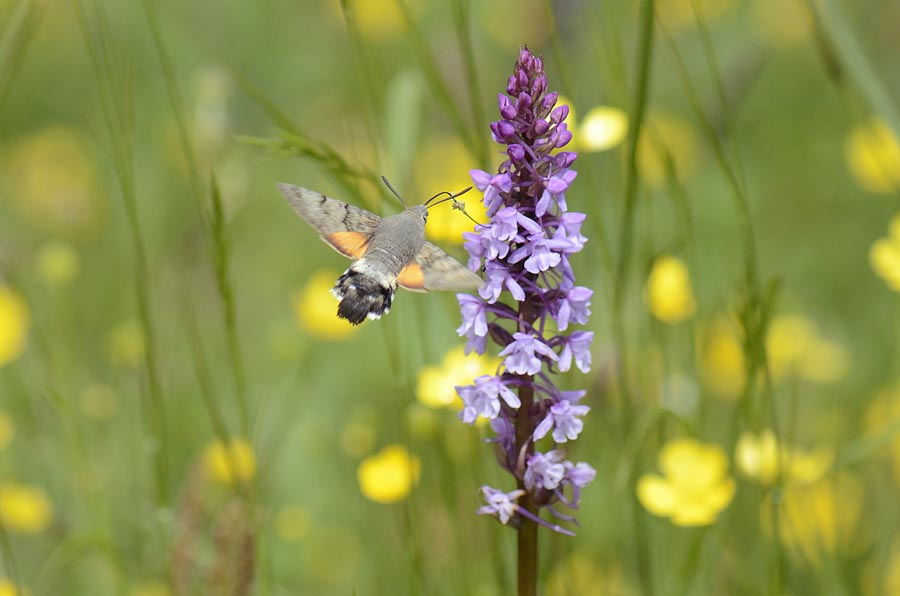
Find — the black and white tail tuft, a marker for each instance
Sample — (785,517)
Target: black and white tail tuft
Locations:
(362,297)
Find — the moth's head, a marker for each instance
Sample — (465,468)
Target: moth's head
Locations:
(419,211)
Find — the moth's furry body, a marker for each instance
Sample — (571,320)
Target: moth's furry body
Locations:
(390,251)
(366,289)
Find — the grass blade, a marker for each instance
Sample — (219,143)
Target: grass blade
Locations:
(16,36)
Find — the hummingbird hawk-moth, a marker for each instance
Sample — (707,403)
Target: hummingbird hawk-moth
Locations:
(387,252)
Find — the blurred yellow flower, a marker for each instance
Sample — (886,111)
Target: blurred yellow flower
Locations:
(760,458)
(226,465)
(389,476)
(443,165)
(891,584)
(509,23)
(150,588)
(819,520)
(781,24)
(315,309)
(292,523)
(8,588)
(55,182)
(24,509)
(436,383)
(880,420)
(99,401)
(357,438)
(679,14)
(603,128)
(580,573)
(378,19)
(668,292)
(872,151)
(422,421)
(722,359)
(14,323)
(125,344)
(695,486)
(667,137)
(884,256)
(7,430)
(794,346)
(58,263)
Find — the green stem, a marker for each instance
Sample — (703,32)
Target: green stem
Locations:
(526,543)
(638,109)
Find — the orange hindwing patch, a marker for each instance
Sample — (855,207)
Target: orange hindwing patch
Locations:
(412,278)
(349,244)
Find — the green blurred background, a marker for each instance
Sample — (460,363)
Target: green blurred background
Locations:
(159,299)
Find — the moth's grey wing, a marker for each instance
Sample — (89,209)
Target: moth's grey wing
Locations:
(434,269)
(346,228)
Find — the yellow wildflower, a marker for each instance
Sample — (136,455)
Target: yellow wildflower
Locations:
(663,138)
(292,523)
(422,421)
(443,165)
(7,430)
(58,263)
(795,346)
(884,256)
(581,574)
(55,182)
(695,486)
(99,401)
(378,19)
(237,462)
(508,22)
(872,151)
(603,128)
(891,582)
(880,421)
(388,477)
(14,324)
(150,588)
(722,359)
(781,24)
(125,344)
(357,438)
(8,588)
(436,383)
(315,309)
(24,509)
(668,292)
(761,458)
(819,520)
(679,14)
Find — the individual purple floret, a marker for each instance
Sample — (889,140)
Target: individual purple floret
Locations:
(527,303)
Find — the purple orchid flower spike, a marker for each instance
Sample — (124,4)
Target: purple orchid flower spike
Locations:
(527,306)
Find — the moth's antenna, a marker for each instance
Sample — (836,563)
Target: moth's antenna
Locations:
(443,192)
(450,197)
(391,188)
(458,205)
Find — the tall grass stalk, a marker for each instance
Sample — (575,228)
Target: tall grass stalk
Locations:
(213,219)
(367,77)
(117,109)
(462,18)
(620,292)
(833,25)
(436,83)
(24,17)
